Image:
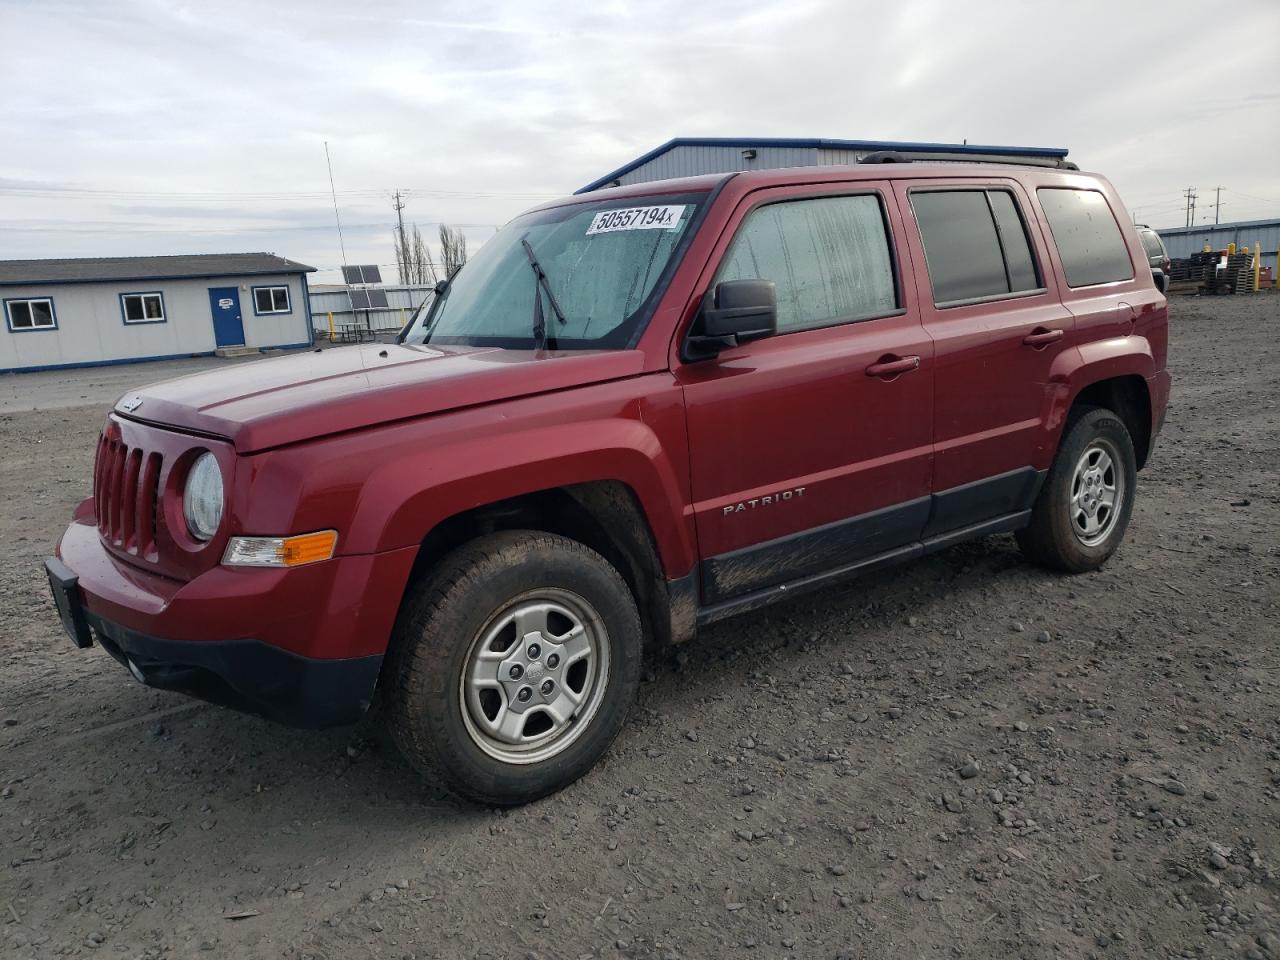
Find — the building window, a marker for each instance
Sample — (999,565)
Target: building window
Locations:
(142,307)
(36,314)
(271,300)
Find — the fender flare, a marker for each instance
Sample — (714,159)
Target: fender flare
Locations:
(1092,363)
(402,501)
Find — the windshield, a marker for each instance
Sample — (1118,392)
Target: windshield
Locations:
(605,264)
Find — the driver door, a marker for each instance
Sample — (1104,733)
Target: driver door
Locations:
(811,450)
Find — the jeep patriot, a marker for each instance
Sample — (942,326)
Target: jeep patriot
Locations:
(634,412)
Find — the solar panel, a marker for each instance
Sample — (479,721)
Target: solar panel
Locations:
(368,299)
(362,273)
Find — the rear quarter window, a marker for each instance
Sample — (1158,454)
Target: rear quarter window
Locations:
(1089,240)
(1151,243)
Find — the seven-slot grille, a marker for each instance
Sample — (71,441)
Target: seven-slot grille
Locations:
(126,486)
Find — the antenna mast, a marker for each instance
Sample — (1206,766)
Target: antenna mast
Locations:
(334,193)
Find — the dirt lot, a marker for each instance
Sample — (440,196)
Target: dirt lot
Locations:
(967,757)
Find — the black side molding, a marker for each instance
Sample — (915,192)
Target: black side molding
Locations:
(972,503)
(812,552)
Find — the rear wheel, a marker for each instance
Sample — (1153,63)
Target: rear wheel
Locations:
(1083,509)
(514,665)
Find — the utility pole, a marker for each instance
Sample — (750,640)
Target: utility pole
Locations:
(403,243)
(1190,194)
(1217,204)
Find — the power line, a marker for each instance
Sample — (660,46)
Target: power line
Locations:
(1252,197)
(121,228)
(77,193)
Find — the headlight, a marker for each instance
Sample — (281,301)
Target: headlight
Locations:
(202,499)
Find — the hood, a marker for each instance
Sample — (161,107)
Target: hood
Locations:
(268,403)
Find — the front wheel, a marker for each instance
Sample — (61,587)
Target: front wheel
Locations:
(1083,509)
(513,666)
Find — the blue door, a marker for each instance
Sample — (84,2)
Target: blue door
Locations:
(228,328)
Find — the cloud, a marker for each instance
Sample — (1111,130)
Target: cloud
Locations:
(164,128)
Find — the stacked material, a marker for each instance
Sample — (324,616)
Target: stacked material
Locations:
(1197,268)
(1214,272)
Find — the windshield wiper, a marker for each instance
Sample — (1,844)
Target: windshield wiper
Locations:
(541,285)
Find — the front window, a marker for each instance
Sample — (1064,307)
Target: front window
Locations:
(828,258)
(606,263)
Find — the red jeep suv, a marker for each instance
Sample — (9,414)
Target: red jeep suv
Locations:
(634,412)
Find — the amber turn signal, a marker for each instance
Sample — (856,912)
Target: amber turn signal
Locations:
(280,551)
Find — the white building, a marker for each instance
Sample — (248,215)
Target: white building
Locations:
(92,312)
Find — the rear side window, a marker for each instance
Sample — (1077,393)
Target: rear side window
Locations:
(1151,243)
(829,258)
(975,244)
(1089,240)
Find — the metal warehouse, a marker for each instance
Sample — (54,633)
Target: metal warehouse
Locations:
(97,311)
(1184,241)
(692,156)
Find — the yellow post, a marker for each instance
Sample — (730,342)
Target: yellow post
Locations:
(1257,267)
(1208,249)
(1231,248)
(331,326)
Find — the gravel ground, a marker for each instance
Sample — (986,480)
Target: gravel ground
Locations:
(967,757)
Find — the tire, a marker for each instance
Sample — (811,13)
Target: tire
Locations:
(463,654)
(1079,537)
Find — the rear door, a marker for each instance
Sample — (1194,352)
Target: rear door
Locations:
(990,302)
(807,453)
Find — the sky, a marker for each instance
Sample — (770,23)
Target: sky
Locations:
(146,127)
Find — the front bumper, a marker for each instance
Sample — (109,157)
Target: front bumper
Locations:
(302,646)
(247,675)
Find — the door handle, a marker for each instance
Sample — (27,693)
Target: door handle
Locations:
(890,366)
(1040,337)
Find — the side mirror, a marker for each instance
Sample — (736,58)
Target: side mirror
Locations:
(735,312)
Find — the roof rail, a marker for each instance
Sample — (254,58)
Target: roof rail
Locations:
(896,156)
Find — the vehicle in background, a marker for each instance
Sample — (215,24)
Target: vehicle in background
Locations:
(633,413)
(1157,256)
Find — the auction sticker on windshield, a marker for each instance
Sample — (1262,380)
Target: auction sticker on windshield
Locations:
(636,218)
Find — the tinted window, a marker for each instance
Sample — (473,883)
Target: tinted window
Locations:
(975,244)
(1151,243)
(828,257)
(1013,238)
(960,244)
(1088,238)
